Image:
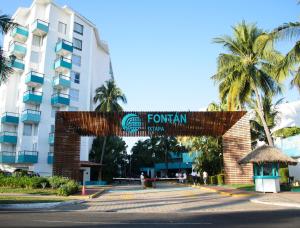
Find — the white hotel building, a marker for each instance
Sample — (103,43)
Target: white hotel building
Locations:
(60,61)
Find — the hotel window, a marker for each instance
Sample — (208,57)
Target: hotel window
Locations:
(27,130)
(76,60)
(77,44)
(75,77)
(74,94)
(52,128)
(35,130)
(62,27)
(78,28)
(35,57)
(37,41)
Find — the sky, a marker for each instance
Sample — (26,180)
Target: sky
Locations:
(162,50)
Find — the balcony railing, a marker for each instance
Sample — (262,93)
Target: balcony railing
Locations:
(10,118)
(40,27)
(18,49)
(63,65)
(34,79)
(26,156)
(51,138)
(61,81)
(60,99)
(33,97)
(63,47)
(8,137)
(50,158)
(18,65)
(7,157)
(31,116)
(20,33)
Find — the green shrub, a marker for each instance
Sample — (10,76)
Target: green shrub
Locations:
(56,181)
(221,179)
(69,188)
(284,175)
(148,184)
(213,180)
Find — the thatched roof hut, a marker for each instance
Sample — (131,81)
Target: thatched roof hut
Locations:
(267,154)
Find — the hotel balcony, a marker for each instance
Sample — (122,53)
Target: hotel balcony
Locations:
(34,79)
(61,82)
(31,116)
(7,157)
(40,28)
(63,65)
(26,156)
(20,33)
(64,47)
(50,158)
(10,118)
(51,138)
(18,65)
(18,49)
(32,97)
(60,99)
(8,137)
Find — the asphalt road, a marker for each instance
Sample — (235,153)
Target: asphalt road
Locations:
(166,206)
(274,219)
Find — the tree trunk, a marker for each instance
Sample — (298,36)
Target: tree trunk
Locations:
(166,162)
(101,159)
(260,112)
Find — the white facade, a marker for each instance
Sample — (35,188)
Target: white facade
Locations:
(289,116)
(82,70)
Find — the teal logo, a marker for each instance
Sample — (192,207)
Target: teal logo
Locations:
(131,123)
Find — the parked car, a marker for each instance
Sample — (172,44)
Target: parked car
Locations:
(22,172)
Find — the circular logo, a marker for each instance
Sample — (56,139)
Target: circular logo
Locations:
(131,123)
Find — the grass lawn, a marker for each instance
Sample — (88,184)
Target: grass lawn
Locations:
(28,199)
(245,187)
(47,191)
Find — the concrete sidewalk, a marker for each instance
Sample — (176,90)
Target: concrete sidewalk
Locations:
(285,199)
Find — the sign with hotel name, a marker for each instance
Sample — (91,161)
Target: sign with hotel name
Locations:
(152,122)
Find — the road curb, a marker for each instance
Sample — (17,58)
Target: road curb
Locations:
(254,200)
(97,194)
(39,205)
(225,193)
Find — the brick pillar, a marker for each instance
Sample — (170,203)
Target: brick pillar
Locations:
(236,144)
(66,160)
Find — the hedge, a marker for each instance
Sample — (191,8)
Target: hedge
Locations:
(213,180)
(63,185)
(221,179)
(284,175)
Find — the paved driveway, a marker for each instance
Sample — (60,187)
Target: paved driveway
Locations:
(167,198)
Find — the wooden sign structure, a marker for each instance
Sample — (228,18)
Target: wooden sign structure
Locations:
(233,127)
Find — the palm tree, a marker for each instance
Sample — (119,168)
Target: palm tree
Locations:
(108,96)
(248,70)
(6,24)
(290,63)
(270,113)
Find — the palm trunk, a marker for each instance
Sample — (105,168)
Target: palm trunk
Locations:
(262,118)
(101,159)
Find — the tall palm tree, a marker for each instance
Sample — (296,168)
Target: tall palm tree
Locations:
(290,63)
(270,113)
(247,71)
(6,24)
(108,96)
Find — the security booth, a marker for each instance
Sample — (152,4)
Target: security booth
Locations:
(266,177)
(266,161)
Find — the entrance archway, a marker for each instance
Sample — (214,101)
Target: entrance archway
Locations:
(233,127)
